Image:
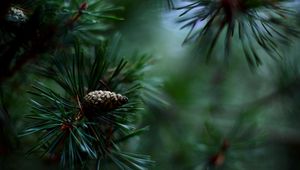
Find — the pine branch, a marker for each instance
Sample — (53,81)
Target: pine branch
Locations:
(45,31)
(260,24)
(218,148)
(88,122)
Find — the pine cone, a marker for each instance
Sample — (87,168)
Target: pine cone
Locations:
(104,100)
(16,15)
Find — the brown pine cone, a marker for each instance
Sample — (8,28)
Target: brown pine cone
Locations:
(104,100)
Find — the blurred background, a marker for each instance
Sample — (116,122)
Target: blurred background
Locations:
(204,115)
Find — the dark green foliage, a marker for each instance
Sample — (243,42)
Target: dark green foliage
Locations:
(79,101)
(88,20)
(76,133)
(257,23)
(218,149)
(50,26)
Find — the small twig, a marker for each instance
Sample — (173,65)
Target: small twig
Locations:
(75,18)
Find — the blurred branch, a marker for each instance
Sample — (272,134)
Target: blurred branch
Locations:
(285,91)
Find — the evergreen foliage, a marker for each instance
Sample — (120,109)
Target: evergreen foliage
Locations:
(257,23)
(74,131)
(78,89)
